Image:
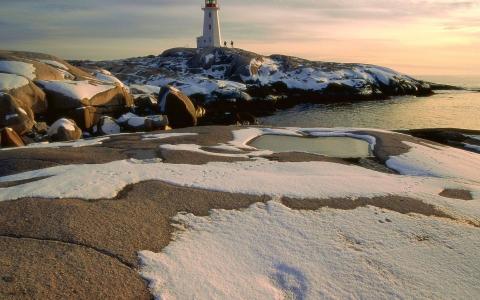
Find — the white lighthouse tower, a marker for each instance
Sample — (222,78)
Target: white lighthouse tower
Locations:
(211,26)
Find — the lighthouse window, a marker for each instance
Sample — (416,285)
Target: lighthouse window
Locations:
(210,26)
(210,15)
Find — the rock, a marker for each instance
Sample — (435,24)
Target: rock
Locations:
(107,125)
(178,107)
(85,117)
(16,115)
(64,130)
(25,91)
(146,104)
(68,95)
(134,123)
(40,127)
(38,66)
(9,138)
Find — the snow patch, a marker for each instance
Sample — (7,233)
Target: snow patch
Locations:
(11,81)
(441,161)
(161,136)
(272,252)
(75,89)
(61,123)
(258,177)
(19,68)
(54,64)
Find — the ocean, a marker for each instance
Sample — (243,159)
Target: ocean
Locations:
(445,109)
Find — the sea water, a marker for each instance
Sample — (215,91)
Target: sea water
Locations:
(445,109)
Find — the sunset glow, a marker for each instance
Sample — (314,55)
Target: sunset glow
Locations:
(415,37)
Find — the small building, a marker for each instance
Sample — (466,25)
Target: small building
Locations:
(211,26)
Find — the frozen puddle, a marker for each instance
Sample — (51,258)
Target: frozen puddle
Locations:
(341,147)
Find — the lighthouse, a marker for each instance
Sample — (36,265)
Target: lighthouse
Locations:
(211,26)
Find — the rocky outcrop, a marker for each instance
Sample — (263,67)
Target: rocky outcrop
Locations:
(209,75)
(64,130)
(178,107)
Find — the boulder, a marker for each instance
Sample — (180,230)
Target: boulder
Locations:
(9,138)
(15,114)
(64,130)
(107,125)
(134,123)
(68,95)
(25,91)
(146,104)
(85,117)
(178,107)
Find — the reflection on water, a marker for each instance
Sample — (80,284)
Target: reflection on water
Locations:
(458,109)
(341,147)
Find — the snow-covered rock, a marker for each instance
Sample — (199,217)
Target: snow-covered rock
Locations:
(107,125)
(219,73)
(64,130)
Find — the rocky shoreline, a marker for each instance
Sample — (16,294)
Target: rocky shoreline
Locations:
(44,98)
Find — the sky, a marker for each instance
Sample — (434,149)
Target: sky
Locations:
(418,37)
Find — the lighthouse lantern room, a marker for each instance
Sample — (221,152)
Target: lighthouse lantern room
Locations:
(211,26)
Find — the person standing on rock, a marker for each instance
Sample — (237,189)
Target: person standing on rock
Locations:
(231,43)
(225,44)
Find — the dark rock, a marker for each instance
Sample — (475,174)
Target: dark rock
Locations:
(9,138)
(146,104)
(134,123)
(178,107)
(86,117)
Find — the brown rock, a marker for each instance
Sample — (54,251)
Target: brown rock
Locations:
(16,115)
(64,130)
(26,92)
(9,138)
(86,117)
(178,107)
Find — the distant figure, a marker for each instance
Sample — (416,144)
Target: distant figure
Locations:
(231,43)
(225,44)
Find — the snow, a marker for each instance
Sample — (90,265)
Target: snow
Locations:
(258,177)
(125,117)
(11,81)
(61,123)
(146,89)
(10,116)
(109,126)
(54,64)
(73,144)
(22,111)
(437,161)
(161,136)
(19,68)
(75,89)
(108,78)
(136,121)
(272,252)
(475,148)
